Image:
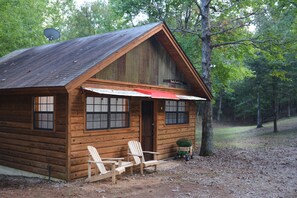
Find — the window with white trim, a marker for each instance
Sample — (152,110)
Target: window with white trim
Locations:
(44,112)
(107,113)
(176,112)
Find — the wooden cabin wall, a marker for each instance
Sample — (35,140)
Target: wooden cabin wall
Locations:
(25,148)
(148,63)
(167,135)
(109,143)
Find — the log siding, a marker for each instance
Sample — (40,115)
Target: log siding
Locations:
(26,148)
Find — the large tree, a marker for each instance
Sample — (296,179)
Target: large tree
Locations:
(215,25)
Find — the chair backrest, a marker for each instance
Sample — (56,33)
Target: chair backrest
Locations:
(135,148)
(96,157)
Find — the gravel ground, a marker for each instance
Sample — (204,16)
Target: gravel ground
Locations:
(265,166)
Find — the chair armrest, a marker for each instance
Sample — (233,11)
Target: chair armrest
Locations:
(134,155)
(117,159)
(151,152)
(102,162)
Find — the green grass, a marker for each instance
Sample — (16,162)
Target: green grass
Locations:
(230,132)
(249,136)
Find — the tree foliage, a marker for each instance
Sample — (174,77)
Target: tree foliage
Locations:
(21,24)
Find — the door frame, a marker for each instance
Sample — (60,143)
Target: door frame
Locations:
(155,121)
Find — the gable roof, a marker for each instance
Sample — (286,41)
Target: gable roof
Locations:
(68,64)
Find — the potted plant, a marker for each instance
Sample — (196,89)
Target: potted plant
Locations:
(184,149)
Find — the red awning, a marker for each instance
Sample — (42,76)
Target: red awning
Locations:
(158,94)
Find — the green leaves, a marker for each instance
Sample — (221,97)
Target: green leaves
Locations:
(21,24)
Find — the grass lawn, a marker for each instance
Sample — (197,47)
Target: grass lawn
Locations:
(250,136)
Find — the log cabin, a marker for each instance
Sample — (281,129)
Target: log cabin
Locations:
(101,90)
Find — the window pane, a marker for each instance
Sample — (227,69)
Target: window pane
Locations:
(89,117)
(181,106)
(90,100)
(42,99)
(167,105)
(107,113)
(171,118)
(183,118)
(104,108)
(89,125)
(50,99)
(113,108)
(89,108)
(170,105)
(96,117)
(97,108)
(96,125)
(118,120)
(176,112)
(42,107)
(104,101)
(44,112)
(50,125)
(97,100)
(50,107)
(103,125)
(113,101)
(43,125)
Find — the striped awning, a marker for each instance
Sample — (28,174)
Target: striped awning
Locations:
(116,92)
(146,93)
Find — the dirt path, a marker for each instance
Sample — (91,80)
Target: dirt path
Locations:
(264,166)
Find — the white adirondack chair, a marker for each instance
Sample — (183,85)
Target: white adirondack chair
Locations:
(136,152)
(117,166)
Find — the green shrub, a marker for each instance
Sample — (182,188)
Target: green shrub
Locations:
(184,142)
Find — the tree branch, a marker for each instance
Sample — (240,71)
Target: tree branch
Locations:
(187,31)
(207,4)
(199,8)
(231,28)
(237,19)
(242,41)
(252,41)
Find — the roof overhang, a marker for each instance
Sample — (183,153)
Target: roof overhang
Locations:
(186,97)
(34,90)
(146,93)
(158,94)
(116,92)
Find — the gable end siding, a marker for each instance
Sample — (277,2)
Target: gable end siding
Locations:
(148,63)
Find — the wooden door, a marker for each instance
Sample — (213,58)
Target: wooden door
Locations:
(147,140)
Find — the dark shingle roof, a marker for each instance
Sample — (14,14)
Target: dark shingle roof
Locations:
(56,65)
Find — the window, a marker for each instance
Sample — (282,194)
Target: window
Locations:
(107,113)
(44,112)
(176,112)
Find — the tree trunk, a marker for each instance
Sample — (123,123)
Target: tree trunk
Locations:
(207,131)
(289,108)
(275,109)
(220,107)
(259,117)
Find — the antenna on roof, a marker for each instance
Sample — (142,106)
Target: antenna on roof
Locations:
(51,34)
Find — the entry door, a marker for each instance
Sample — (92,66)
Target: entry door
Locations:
(147,141)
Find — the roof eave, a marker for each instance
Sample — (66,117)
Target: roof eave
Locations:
(34,90)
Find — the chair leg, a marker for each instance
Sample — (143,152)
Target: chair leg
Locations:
(141,168)
(131,170)
(155,168)
(113,174)
(89,170)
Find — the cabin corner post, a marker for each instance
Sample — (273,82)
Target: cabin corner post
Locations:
(156,110)
(68,140)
